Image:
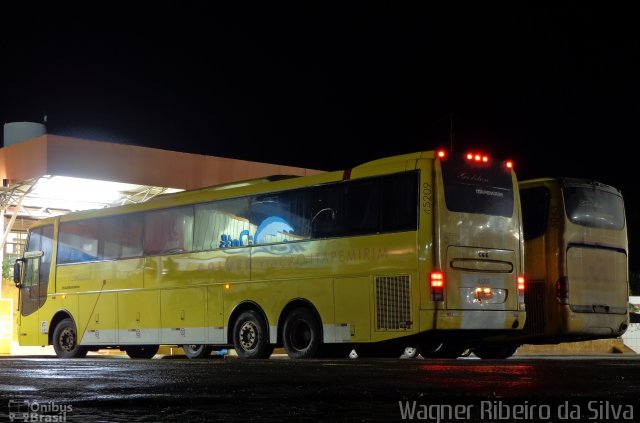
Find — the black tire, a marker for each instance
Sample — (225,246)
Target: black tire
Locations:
(251,337)
(442,350)
(197,350)
(498,352)
(142,351)
(302,334)
(65,340)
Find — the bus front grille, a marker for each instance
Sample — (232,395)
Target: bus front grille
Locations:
(393,304)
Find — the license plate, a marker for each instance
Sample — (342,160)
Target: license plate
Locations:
(483,294)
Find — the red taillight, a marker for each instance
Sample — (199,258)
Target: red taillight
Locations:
(521,284)
(508,164)
(562,290)
(441,154)
(436,280)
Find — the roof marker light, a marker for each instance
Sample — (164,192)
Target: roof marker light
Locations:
(477,157)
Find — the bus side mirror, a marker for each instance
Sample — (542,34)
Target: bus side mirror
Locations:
(17,271)
(17,267)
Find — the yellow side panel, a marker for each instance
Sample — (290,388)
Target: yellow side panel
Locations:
(34,329)
(234,295)
(183,315)
(352,298)
(96,322)
(215,314)
(69,304)
(273,296)
(180,270)
(99,276)
(28,328)
(352,256)
(535,259)
(319,292)
(139,317)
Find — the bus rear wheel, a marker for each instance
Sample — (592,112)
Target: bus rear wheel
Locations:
(250,336)
(142,351)
(302,334)
(197,350)
(65,340)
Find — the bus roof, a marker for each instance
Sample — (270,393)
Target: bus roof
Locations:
(239,188)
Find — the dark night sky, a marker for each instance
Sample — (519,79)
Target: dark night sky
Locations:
(331,86)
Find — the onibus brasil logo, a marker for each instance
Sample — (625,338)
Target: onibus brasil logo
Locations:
(38,411)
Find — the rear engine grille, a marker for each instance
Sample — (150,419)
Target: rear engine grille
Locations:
(393,304)
(534,302)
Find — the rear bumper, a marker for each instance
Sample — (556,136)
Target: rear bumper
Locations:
(477,319)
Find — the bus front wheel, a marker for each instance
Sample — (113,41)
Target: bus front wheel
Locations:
(142,351)
(302,334)
(197,351)
(65,340)
(250,336)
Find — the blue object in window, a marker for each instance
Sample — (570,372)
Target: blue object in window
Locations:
(271,226)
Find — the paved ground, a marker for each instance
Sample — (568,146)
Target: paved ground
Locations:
(175,389)
(604,346)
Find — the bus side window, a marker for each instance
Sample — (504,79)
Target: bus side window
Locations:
(281,217)
(219,223)
(168,231)
(78,241)
(322,222)
(399,189)
(121,236)
(324,211)
(354,208)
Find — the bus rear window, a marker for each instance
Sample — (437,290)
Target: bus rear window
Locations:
(593,207)
(483,188)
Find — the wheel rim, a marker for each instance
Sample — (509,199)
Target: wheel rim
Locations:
(300,335)
(67,339)
(194,348)
(248,336)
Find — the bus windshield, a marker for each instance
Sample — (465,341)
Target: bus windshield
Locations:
(485,188)
(593,207)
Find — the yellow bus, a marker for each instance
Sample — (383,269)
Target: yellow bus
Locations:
(418,249)
(576,259)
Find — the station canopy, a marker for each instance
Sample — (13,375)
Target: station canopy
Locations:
(50,175)
(51,195)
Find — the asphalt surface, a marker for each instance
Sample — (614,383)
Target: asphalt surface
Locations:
(109,389)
